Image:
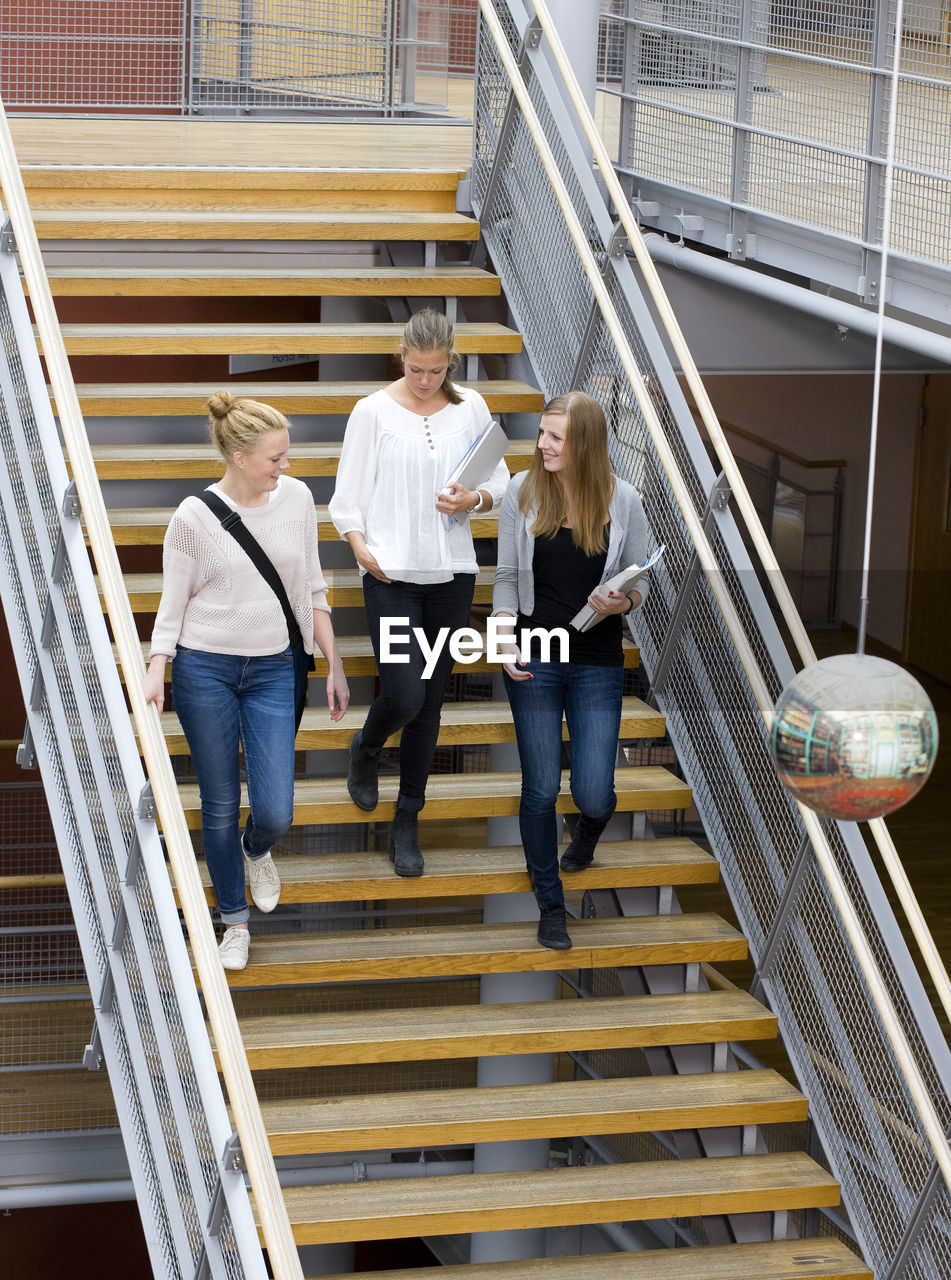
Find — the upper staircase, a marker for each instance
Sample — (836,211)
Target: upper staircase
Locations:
(360,1008)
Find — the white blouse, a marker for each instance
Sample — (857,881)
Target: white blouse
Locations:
(392,464)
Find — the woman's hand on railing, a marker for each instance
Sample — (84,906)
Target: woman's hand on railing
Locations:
(153,683)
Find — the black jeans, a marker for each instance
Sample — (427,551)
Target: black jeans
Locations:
(406,700)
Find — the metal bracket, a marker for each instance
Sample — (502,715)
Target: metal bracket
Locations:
(48,625)
(146,806)
(620,242)
(120,927)
(533,35)
(232,1158)
(108,993)
(690,222)
(26,751)
(719,497)
(36,690)
(72,508)
(232,1161)
(92,1054)
(8,243)
(133,861)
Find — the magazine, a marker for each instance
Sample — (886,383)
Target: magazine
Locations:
(478,462)
(587,617)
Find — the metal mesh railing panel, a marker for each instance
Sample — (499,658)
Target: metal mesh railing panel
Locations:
(872,1134)
(781,110)
(92,54)
(287,57)
(77,718)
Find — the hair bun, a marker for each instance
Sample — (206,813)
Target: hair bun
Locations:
(220,404)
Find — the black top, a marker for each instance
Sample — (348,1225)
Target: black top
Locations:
(564,578)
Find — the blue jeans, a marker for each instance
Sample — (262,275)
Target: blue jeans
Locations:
(223,700)
(590,699)
(406,700)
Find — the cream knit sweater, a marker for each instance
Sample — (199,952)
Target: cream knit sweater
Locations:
(214,599)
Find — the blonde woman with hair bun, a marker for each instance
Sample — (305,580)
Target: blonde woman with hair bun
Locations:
(239,661)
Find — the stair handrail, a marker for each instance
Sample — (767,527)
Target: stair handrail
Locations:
(740,493)
(895,1034)
(246,1113)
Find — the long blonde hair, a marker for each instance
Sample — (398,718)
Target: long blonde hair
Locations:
(586,472)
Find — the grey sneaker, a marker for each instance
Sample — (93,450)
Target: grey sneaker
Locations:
(233,949)
(264,882)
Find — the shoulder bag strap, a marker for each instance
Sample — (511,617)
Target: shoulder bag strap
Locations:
(232,522)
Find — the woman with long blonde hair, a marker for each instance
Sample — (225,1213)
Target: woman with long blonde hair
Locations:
(565,527)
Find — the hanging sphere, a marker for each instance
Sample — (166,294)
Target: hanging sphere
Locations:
(854,737)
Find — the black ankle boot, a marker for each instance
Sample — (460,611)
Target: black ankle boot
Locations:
(362,779)
(552,930)
(580,851)
(404,844)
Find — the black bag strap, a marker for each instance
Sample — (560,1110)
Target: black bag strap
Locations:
(232,522)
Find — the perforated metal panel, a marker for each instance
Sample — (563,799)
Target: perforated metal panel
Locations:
(779,111)
(285,57)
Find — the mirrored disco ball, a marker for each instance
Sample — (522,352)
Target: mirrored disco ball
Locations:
(854,737)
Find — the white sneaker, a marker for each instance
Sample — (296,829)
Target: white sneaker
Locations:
(264,882)
(233,949)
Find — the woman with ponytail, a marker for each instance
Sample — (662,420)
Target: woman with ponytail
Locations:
(411,538)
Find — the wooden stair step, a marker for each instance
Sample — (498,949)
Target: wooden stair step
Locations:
(564,1109)
(259,282)
(344,589)
(52,1101)
(154,203)
(184,177)
(274,337)
(146,526)
(358,660)
(557,1197)
(186,399)
(370,955)
(263,224)
(203,462)
(467,872)
(807,1259)
(463,795)
(461,723)
(281,1042)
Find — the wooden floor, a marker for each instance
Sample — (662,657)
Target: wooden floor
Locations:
(384,144)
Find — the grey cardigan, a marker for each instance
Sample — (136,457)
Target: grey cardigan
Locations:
(628,543)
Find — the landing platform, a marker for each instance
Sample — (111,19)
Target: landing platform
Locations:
(385,144)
